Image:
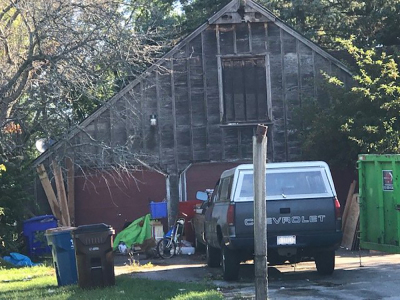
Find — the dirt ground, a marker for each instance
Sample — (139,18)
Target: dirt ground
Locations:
(358,275)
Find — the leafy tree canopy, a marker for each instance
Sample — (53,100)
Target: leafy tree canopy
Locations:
(61,59)
(372,22)
(364,119)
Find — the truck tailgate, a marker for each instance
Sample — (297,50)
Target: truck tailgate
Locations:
(288,216)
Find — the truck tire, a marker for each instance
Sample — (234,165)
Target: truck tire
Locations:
(230,264)
(325,262)
(199,246)
(213,256)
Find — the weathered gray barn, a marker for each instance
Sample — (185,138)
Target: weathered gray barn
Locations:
(193,113)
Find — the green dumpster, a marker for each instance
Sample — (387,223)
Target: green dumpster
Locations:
(379,195)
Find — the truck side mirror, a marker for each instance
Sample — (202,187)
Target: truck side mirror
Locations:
(201,196)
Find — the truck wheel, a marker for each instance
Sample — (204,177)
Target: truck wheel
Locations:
(213,256)
(230,263)
(325,262)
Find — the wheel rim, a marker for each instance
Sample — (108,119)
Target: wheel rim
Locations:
(166,248)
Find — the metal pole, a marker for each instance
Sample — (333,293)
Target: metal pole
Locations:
(260,213)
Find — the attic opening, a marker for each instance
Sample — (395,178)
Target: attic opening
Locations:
(244,90)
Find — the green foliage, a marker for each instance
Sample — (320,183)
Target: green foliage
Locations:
(198,11)
(40,283)
(372,22)
(14,201)
(362,119)
(375,124)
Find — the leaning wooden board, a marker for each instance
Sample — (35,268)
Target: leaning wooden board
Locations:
(351,223)
(348,202)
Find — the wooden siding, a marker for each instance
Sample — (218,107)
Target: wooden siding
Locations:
(184,92)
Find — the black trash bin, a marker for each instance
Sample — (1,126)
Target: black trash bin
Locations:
(94,255)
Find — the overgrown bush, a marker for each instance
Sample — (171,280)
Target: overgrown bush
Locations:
(15,203)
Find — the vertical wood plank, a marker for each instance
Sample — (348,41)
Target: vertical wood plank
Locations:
(268,75)
(315,75)
(189,89)
(351,224)
(111,132)
(218,39)
(203,63)
(69,163)
(234,40)
(348,203)
(158,114)
(220,85)
(299,81)
(48,189)
(174,112)
(284,94)
(143,114)
(250,38)
(61,194)
(269,89)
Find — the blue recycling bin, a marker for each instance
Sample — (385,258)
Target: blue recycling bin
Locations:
(63,251)
(158,210)
(34,232)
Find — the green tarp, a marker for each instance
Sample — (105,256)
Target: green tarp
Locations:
(136,233)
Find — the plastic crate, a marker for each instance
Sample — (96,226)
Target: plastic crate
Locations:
(158,210)
(34,231)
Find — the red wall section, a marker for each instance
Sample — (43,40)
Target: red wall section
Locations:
(115,199)
(204,176)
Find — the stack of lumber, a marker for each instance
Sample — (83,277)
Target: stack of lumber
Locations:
(63,204)
(351,220)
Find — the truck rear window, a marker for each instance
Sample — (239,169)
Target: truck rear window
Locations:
(286,184)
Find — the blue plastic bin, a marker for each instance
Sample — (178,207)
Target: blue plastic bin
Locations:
(34,231)
(158,210)
(63,251)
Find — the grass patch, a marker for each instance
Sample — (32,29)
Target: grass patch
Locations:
(40,283)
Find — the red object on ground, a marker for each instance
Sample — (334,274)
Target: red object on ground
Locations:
(187,207)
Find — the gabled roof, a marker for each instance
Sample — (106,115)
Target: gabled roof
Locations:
(232,6)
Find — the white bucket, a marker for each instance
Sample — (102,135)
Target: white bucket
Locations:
(188,250)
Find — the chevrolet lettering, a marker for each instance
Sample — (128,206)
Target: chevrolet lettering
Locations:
(289,220)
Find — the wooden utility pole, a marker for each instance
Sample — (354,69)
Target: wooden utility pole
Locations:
(260,213)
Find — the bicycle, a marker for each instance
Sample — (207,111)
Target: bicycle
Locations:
(170,244)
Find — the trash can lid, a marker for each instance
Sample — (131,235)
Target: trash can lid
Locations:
(58,230)
(92,228)
(47,218)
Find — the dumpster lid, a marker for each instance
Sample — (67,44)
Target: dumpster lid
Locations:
(58,230)
(46,218)
(92,228)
